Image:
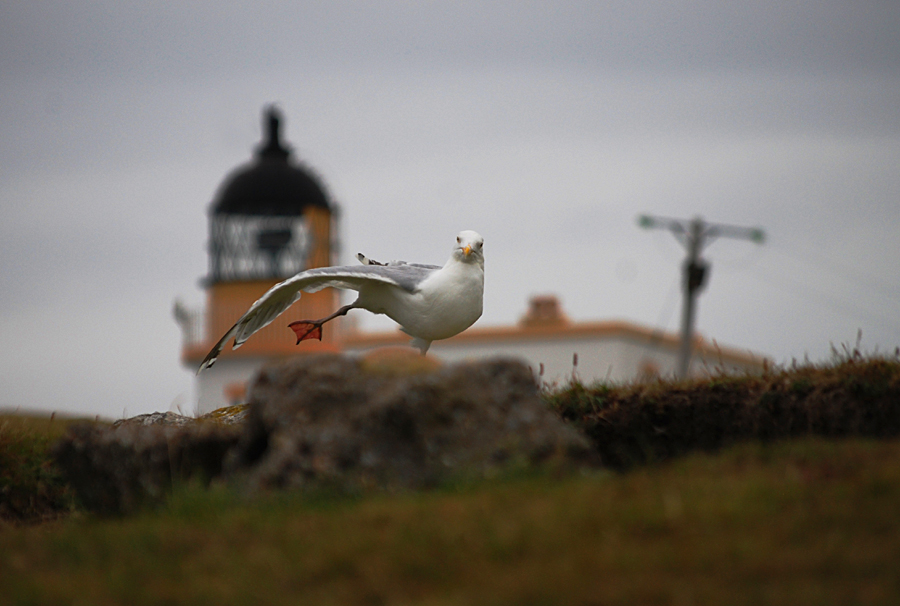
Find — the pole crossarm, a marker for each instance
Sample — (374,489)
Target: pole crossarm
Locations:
(708,231)
(695,234)
(754,234)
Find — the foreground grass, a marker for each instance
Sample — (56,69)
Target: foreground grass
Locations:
(802,522)
(32,489)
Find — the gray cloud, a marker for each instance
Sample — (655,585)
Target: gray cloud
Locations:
(208,40)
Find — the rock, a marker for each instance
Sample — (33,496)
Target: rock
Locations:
(156,418)
(329,420)
(119,469)
(398,361)
(134,462)
(340,420)
(228,415)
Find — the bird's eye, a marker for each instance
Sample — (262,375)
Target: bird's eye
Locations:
(458,240)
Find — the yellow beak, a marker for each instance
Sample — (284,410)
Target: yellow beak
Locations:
(467,250)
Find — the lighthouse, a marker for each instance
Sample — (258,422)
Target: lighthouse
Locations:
(271,218)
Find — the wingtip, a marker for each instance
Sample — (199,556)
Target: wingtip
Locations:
(212,356)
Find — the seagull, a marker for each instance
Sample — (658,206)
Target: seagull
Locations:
(429,302)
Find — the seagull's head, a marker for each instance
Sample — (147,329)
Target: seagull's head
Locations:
(469,245)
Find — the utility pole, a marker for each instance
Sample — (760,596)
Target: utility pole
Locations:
(695,234)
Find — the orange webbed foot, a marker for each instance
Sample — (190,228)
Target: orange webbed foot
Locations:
(306,330)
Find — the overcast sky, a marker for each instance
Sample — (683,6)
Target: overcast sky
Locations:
(547,127)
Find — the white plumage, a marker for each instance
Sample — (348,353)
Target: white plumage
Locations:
(429,302)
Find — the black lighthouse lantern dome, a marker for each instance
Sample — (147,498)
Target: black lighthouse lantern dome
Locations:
(271,184)
(258,227)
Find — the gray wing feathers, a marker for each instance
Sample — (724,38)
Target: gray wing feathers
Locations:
(367,261)
(264,311)
(281,296)
(261,314)
(405,276)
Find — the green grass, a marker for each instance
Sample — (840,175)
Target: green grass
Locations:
(31,487)
(801,522)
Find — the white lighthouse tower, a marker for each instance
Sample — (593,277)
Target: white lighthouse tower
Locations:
(270,218)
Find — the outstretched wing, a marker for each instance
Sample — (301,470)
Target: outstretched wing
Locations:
(284,294)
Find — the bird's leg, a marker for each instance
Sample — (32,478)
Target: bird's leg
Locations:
(312,329)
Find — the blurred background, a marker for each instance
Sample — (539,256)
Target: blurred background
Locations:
(547,127)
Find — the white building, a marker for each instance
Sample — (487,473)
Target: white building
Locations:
(559,350)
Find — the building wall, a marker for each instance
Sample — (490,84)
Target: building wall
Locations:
(227,301)
(589,357)
(235,370)
(228,376)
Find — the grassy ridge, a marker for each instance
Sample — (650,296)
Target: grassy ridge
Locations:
(803,522)
(31,487)
(650,422)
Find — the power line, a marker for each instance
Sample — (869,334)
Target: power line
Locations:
(843,271)
(825,298)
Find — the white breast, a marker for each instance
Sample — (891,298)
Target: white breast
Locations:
(447,303)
